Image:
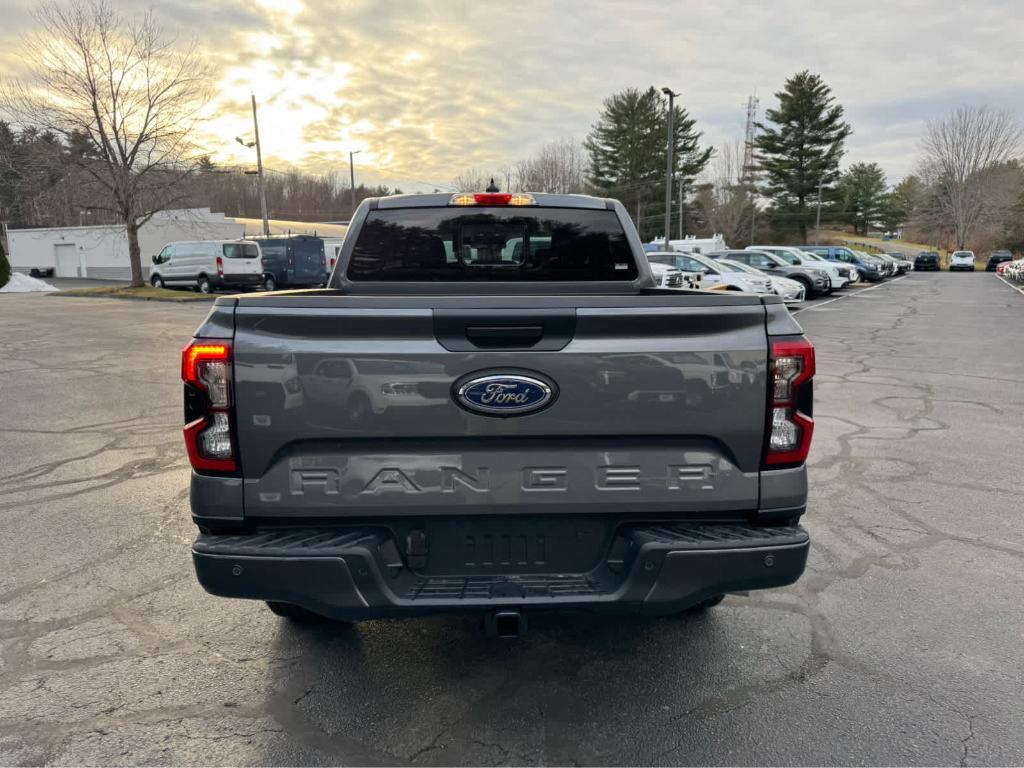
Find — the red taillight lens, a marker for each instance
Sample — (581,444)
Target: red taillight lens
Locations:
(332,263)
(492,198)
(206,371)
(220,267)
(791,426)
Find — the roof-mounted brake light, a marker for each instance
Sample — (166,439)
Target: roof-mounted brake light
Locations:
(492,198)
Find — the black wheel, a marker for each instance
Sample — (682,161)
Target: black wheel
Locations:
(703,605)
(204,285)
(269,283)
(156,281)
(298,614)
(808,288)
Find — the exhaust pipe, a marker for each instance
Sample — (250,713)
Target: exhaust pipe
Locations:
(506,625)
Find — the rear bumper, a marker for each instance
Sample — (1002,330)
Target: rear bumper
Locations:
(358,573)
(246,279)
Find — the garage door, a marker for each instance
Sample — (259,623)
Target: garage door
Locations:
(65,259)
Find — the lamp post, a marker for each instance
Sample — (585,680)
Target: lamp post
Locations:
(669,174)
(352,176)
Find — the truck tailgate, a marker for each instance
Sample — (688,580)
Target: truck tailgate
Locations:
(346,407)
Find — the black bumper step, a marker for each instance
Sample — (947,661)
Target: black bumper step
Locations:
(354,573)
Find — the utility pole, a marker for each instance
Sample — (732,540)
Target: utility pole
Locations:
(352,176)
(669,170)
(259,169)
(748,171)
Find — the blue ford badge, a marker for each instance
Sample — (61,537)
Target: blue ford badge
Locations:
(504,394)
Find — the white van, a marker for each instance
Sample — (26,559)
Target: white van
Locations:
(208,265)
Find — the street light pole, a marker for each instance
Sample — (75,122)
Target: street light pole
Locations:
(669,168)
(352,176)
(259,169)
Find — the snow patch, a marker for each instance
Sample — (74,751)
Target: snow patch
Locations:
(20,283)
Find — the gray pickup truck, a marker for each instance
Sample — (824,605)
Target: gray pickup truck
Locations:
(491,409)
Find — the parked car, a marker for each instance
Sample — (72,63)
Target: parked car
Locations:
(886,268)
(791,291)
(713,273)
(840,275)
(869,269)
(813,259)
(666,276)
(996,258)
(207,265)
(293,261)
(550,434)
(669,276)
(903,264)
(927,260)
(815,281)
(892,265)
(961,260)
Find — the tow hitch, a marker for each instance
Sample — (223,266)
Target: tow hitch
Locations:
(505,624)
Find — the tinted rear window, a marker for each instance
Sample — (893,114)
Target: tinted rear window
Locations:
(492,244)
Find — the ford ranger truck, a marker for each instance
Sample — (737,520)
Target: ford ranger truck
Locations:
(491,409)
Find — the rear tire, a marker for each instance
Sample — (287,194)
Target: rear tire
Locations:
(269,284)
(298,614)
(204,285)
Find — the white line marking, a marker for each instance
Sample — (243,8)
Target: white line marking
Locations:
(849,295)
(1018,290)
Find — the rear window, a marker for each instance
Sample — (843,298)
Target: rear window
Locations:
(241,251)
(492,244)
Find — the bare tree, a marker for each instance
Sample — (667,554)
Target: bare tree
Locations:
(560,167)
(959,156)
(135,97)
(726,200)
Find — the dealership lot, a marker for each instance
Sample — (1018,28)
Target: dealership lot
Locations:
(901,644)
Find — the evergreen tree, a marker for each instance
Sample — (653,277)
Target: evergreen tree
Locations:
(627,148)
(5,266)
(862,195)
(800,147)
(900,203)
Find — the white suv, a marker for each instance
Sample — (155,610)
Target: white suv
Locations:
(962,260)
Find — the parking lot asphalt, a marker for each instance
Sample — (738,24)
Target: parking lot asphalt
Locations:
(902,644)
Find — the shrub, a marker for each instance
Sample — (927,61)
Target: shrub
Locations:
(5,266)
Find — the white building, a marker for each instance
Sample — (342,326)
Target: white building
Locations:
(102,251)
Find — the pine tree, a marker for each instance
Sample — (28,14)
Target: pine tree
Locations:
(800,147)
(862,195)
(627,152)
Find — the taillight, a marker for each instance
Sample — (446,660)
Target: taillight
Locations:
(206,371)
(220,267)
(491,198)
(332,263)
(791,425)
(323,263)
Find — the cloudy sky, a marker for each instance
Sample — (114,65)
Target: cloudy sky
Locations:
(428,89)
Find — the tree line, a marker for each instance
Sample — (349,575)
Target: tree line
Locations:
(106,133)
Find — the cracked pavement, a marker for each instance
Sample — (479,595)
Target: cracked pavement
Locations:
(902,644)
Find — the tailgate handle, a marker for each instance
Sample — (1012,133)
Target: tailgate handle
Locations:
(545,329)
(504,336)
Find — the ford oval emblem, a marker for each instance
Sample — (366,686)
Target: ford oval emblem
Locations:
(504,394)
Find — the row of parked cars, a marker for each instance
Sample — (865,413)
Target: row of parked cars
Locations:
(1011,269)
(794,273)
(287,261)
